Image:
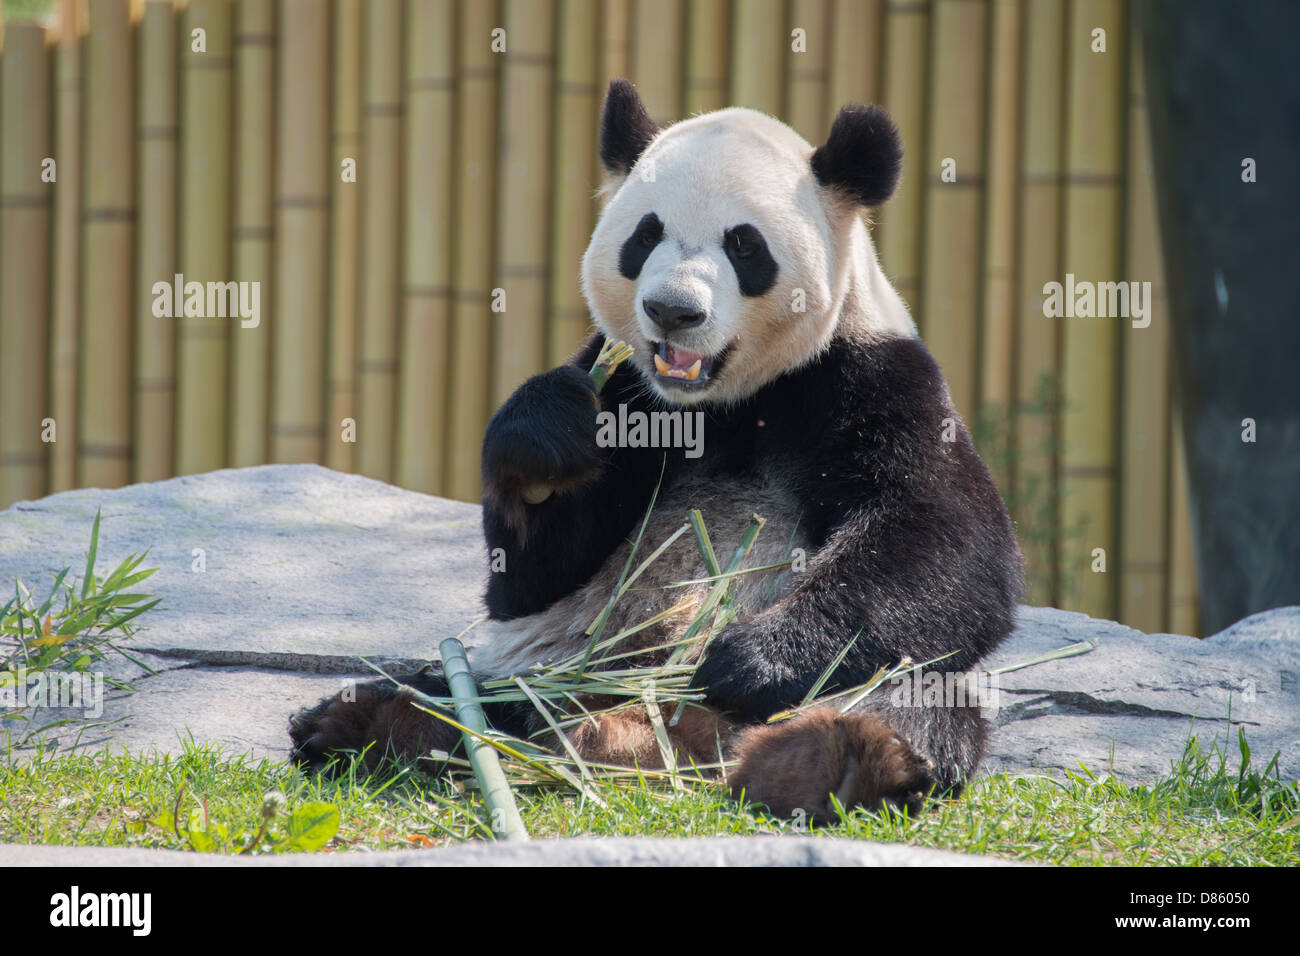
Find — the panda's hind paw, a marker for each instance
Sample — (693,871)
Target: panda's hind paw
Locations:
(794,767)
(374,719)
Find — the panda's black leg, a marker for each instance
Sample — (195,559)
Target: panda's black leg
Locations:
(376,717)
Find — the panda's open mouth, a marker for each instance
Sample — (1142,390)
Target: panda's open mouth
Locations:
(683,368)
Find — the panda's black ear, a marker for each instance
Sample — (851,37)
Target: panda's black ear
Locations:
(626,129)
(862,157)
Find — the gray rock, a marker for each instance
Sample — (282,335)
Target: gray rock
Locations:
(614,851)
(307,568)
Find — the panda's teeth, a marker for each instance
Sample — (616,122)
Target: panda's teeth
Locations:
(693,372)
(662,367)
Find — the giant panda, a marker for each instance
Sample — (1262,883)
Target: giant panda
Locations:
(735,259)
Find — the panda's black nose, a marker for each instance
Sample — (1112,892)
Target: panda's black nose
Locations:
(671,317)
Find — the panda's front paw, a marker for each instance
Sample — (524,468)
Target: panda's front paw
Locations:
(543,439)
(744,672)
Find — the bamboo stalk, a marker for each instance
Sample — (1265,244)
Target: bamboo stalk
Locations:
(997,348)
(25,201)
(66,275)
(573,177)
(427,249)
(856,54)
(656,65)
(1093,193)
(482,757)
(301,234)
(519,329)
(1184,612)
(476,128)
(807,70)
(758,42)
(345,212)
(254,207)
(953,226)
(381,223)
(107,240)
(1038,261)
(203,344)
(707,48)
(898,235)
(155,336)
(614,20)
(1144,484)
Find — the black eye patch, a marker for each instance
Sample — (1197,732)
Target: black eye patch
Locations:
(638,246)
(748,253)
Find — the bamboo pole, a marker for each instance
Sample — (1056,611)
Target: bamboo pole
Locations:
(1038,262)
(107,242)
(25,199)
(1144,485)
(66,275)
(656,64)
(997,348)
(476,150)
(615,16)
(898,235)
(254,212)
(155,336)
(1184,613)
(519,333)
(707,48)
(301,234)
(573,176)
(426,262)
(381,218)
(953,223)
(345,212)
(856,54)
(1093,231)
(203,345)
(758,42)
(807,68)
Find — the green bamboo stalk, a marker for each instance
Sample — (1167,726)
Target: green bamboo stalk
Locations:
(497,794)
(156,169)
(24,245)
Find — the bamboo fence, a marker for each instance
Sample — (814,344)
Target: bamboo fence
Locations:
(411,185)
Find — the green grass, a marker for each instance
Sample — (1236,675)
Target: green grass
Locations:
(1201,814)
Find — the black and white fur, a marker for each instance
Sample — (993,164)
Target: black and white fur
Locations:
(829,422)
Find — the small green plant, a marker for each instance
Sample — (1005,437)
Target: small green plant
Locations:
(38,639)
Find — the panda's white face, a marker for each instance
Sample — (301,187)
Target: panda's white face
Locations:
(720,259)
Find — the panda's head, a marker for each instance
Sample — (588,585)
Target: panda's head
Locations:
(730,250)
